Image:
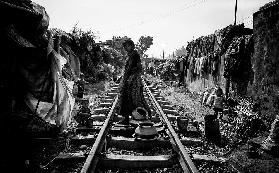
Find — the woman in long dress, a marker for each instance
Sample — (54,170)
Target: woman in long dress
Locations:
(131,91)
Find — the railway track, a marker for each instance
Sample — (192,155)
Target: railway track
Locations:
(94,159)
(111,146)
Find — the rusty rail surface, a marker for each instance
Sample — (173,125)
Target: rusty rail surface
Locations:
(185,160)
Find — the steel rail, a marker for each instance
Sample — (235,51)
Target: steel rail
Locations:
(185,160)
(92,158)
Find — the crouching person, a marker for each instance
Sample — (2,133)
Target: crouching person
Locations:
(217,101)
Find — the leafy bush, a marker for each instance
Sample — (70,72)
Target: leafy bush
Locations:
(167,71)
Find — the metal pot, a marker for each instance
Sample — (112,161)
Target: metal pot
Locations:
(146,130)
(182,123)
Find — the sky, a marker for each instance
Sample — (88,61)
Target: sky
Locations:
(171,23)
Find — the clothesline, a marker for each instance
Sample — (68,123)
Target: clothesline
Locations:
(208,54)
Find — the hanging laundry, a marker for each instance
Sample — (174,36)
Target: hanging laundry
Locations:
(205,54)
(214,64)
(197,66)
(234,56)
(204,67)
(192,69)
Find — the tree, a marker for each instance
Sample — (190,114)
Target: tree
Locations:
(143,45)
(181,51)
(115,47)
(116,51)
(82,40)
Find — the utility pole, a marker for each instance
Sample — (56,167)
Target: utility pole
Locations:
(235,11)
(163,54)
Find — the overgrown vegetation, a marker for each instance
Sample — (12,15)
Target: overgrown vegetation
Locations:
(168,71)
(99,60)
(237,127)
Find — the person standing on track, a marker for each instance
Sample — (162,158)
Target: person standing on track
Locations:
(131,87)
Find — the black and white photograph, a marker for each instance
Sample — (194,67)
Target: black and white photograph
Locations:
(139,86)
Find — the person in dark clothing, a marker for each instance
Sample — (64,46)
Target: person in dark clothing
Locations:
(80,84)
(131,90)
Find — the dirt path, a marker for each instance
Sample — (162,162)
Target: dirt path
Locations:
(188,103)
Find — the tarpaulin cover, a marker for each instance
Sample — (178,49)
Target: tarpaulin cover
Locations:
(59,110)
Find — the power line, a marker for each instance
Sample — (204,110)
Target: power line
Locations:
(166,15)
(184,7)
